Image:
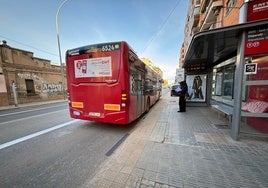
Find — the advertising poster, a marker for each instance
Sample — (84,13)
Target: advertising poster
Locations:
(196,87)
(94,67)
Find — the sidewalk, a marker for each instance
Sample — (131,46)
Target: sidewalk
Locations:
(183,150)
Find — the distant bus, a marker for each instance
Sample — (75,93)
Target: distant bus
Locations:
(108,83)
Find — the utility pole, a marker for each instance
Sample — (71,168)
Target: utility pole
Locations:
(58,38)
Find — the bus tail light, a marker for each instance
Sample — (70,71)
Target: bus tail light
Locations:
(123,99)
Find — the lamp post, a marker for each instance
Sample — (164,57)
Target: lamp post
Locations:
(58,38)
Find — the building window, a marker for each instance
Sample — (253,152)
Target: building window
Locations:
(29,86)
(230,5)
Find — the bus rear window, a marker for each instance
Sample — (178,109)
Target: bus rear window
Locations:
(98,66)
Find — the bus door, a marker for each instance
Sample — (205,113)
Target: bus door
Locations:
(140,90)
(137,89)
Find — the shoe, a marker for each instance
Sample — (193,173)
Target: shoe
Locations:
(181,111)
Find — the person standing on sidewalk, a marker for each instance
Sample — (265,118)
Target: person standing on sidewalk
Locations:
(183,93)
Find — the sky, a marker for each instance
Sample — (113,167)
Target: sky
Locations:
(153,28)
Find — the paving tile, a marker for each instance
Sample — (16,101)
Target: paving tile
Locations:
(187,150)
(148,183)
(150,175)
(137,172)
(162,179)
(104,183)
(121,178)
(117,185)
(133,181)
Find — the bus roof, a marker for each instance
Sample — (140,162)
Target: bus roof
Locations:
(107,46)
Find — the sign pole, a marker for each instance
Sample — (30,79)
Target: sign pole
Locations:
(15,94)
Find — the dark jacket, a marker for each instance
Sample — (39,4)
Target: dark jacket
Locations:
(184,88)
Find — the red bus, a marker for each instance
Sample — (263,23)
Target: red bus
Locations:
(108,83)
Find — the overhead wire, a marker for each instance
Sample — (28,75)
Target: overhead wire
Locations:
(44,51)
(160,29)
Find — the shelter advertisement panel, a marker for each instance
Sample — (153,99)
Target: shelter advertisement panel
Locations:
(197,87)
(257,42)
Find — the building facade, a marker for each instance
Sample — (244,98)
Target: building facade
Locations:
(221,51)
(209,14)
(25,78)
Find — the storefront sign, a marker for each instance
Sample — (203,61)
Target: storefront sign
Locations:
(257,42)
(257,10)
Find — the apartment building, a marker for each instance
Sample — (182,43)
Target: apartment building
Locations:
(209,14)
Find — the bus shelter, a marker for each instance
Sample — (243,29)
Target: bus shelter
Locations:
(247,45)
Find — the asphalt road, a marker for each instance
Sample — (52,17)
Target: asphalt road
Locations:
(42,146)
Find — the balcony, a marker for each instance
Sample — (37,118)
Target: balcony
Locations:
(196,16)
(211,14)
(204,5)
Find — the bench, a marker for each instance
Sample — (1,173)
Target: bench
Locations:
(228,111)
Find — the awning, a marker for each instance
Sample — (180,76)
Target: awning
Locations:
(211,47)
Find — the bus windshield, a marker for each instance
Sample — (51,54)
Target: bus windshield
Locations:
(94,63)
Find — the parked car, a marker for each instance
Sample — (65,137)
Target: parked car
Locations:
(173,91)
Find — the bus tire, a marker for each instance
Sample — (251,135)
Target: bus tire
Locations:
(147,105)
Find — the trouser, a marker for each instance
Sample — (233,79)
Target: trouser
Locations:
(182,103)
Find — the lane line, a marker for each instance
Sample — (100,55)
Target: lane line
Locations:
(30,117)
(11,143)
(37,109)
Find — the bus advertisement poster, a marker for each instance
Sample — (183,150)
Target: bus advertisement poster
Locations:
(94,67)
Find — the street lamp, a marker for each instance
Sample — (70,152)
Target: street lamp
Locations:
(58,37)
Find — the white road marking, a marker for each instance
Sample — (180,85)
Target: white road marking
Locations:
(36,109)
(30,117)
(5,145)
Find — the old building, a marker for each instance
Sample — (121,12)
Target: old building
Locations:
(34,79)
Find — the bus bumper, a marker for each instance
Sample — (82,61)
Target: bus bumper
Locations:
(112,117)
